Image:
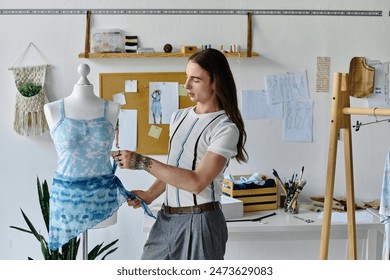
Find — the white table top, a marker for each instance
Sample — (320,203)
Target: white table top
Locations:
(287,222)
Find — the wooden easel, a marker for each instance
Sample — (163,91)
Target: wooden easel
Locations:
(341,119)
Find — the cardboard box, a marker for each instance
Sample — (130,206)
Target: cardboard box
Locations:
(254,199)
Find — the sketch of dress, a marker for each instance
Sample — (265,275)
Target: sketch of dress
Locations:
(156,105)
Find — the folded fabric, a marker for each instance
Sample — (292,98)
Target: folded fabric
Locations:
(253,182)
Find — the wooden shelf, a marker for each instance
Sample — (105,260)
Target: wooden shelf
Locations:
(88,54)
(155,55)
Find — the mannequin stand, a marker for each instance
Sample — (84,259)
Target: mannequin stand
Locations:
(85,245)
(103,224)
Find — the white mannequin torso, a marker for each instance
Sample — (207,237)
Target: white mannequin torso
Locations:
(83,104)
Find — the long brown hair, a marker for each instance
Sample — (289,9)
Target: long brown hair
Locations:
(217,66)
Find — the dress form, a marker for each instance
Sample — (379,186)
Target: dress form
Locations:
(83,104)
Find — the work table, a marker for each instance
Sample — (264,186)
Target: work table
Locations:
(282,236)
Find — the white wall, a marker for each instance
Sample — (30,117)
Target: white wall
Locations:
(285,43)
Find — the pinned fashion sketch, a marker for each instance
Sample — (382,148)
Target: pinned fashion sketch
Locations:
(85,190)
(156,105)
(163,101)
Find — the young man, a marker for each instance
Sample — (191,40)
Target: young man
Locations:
(203,139)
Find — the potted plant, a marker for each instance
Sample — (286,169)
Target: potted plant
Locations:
(68,251)
(29,89)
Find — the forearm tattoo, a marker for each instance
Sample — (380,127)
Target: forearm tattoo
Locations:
(140,162)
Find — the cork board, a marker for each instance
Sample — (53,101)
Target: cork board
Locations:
(113,83)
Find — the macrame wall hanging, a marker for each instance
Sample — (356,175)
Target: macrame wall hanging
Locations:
(30,97)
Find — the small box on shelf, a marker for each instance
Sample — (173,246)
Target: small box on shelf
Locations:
(189,49)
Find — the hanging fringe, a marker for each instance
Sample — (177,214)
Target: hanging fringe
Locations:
(30,123)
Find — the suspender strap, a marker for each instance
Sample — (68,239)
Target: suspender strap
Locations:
(173,134)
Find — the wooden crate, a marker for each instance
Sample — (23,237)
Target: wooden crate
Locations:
(262,198)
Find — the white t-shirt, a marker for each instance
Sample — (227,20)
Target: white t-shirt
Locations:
(191,136)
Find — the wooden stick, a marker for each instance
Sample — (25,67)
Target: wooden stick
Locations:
(331,168)
(366,111)
(249,35)
(87,35)
(352,254)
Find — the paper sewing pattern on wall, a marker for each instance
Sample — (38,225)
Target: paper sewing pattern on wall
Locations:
(255,105)
(287,98)
(291,89)
(380,96)
(298,121)
(285,87)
